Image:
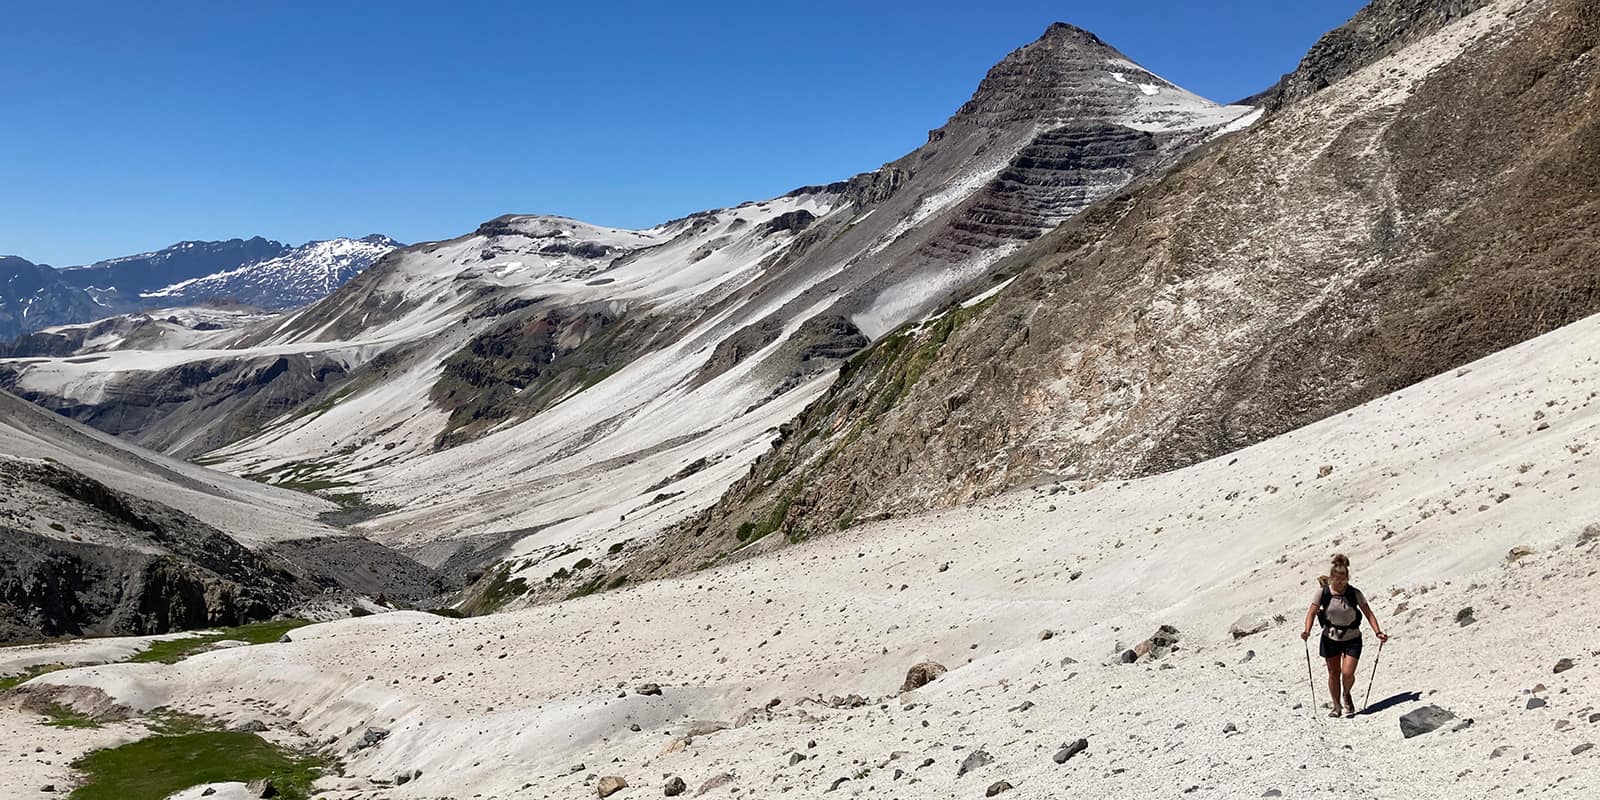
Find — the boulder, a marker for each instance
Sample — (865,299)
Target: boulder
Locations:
(1066,753)
(610,785)
(921,675)
(1424,720)
(675,786)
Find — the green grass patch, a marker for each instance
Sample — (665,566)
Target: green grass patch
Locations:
(13,681)
(60,716)
(498,590)
(153,768)
(172,651)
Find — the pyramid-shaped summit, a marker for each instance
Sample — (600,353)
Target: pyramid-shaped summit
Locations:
(1071,75)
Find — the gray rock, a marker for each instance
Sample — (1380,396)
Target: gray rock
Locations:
(974,760)
(1563,665)
(250,726)
(648,689)
(1536,702)
(610,785)
(675,786)
(715,782)
(1249,625)
(795,758)
(1582,748)
(1464,617)
(836,784)
(1424,720)
(997,787)
(1065,754)
(1272,793)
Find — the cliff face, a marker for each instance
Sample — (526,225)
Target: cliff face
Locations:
(80,558)
(1427,210)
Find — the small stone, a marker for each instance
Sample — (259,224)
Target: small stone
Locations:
(1129,656)
(634,727)
(1230,728)
(1536,702)
(997,787)
(1499,751)
(716,781)
(1046,635)
(795,758)
(1272,793)
(836,784)
(1464,617)
(1066,753)
(1582,748)
(1595,717)
(675,786)
(1248,625)
(1563,665)
(576,768)
(1249,655)
(610,785)
(1424,720)
(648,689)
(207,793)
(974,760)
(926,762)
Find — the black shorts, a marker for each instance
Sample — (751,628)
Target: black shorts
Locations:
(1330,648)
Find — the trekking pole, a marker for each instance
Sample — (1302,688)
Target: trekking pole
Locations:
(1373,678)
(1311,678)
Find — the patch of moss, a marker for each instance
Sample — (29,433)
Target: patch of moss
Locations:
(60,716)
(172,651)
(153,768)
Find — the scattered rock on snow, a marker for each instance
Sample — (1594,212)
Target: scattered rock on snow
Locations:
(650,689)
(716,781)
(1582,748)
(1248,625)
(1464,617)
(974,760)
(1066,753)
(921,675)
(1424,720)
(1563,665)
(1536,702)
(997,787)
(675,786)
(610,785)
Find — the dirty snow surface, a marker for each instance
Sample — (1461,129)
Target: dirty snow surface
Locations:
(1428,491)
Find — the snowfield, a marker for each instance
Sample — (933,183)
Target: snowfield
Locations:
(1428,491)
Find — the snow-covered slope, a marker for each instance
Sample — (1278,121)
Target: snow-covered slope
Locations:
(302,275)
(1476,488)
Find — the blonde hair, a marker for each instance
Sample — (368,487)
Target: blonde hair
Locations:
(1341,566)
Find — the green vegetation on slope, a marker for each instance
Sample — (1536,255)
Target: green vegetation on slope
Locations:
(172,651)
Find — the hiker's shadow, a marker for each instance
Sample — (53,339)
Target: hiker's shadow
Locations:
(1391,702)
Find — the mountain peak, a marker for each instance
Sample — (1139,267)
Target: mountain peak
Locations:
(1063,32)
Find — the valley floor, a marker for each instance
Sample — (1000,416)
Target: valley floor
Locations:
(1427,491)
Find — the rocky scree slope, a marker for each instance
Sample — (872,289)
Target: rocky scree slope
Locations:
(1432,207)
(785,675)
(548,389)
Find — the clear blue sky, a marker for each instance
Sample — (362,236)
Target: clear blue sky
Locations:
(128,126)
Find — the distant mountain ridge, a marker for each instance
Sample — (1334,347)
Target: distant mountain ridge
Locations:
(254,271)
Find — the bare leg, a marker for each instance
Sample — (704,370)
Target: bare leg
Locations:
(1348,670)
(1335,678)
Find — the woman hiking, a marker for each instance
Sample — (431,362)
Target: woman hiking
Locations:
(1339,607)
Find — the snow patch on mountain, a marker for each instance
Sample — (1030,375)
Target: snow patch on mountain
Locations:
(303,275)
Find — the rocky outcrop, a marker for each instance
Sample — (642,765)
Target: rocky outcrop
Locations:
(137,568)
(33,296)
